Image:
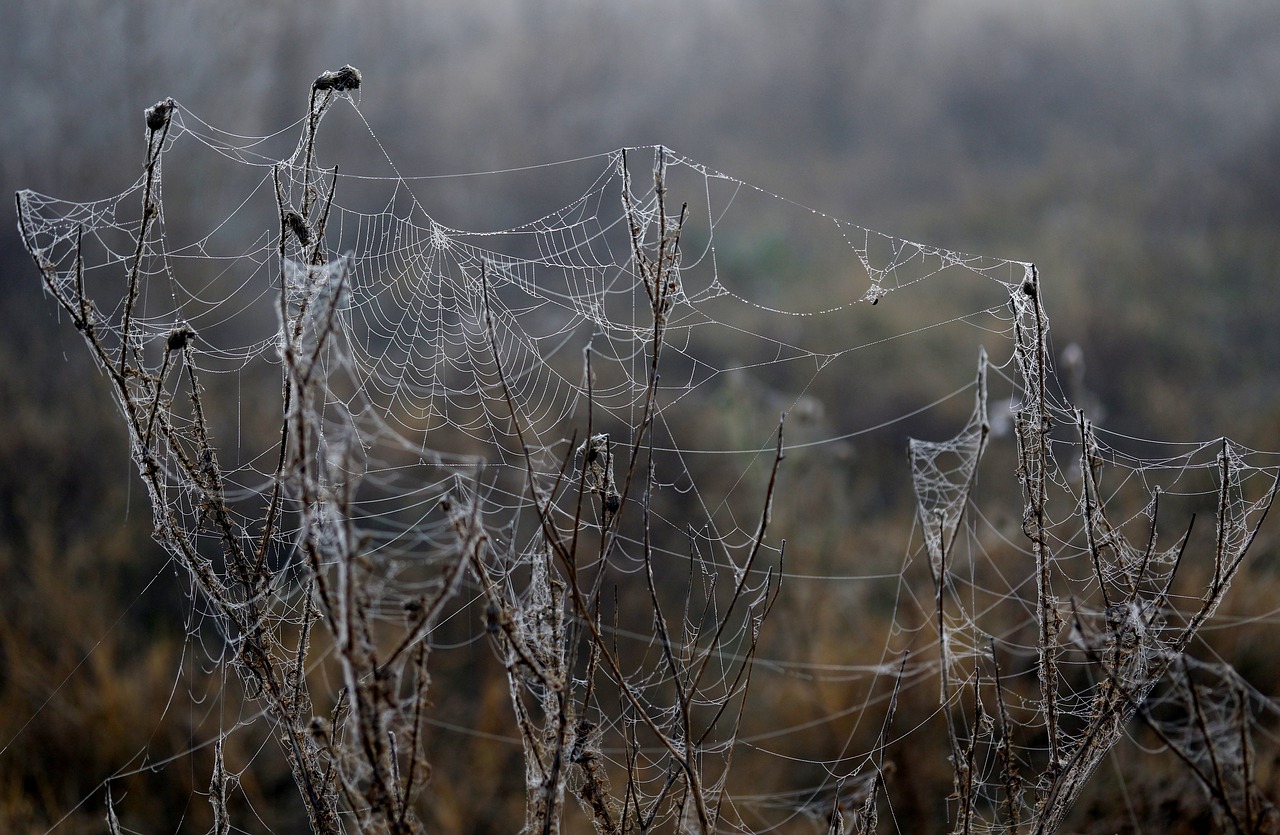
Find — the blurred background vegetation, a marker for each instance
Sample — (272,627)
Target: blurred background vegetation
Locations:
(1132,150)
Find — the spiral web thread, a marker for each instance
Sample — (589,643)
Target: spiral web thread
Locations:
(496,436)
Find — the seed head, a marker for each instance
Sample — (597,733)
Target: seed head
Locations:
(180,337)
(347,78)
(158,114)
(298,226)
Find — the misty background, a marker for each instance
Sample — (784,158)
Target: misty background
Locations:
(1131,150)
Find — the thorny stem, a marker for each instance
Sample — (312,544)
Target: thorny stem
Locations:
(286,393)
(419,703)
(660,282)
(941,573)
(744,571)
(944,646)
(1136,583)
(1213,786)
(658,277)
(1088,494)
(1033,442)
(1012,783)
(1226,556)
(218,792)
(1211,748)
(580,604)
(970,748)
(150,211)
(1065,779)
(154,436)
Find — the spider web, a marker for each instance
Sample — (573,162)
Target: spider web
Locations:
(451,383)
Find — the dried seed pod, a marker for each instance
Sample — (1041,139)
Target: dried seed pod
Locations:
(180,337)
(298,226)
(158,114)
(494,618)
(414,607)
(347,78)
(1030,281)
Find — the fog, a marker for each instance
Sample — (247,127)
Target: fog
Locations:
(1131,150)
